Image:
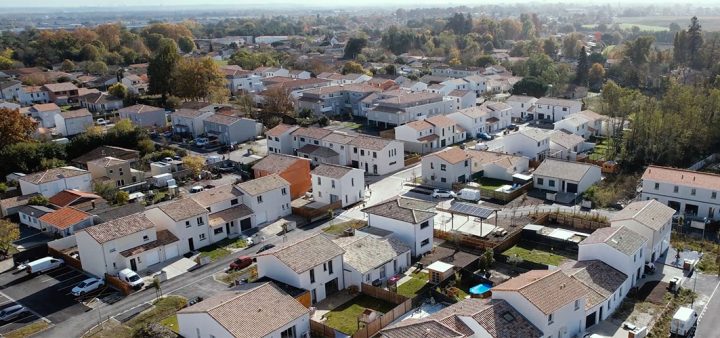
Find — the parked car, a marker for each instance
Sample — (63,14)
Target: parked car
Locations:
(102,122)
(484,136)
(196,189)
(684,322)
(88,285)
(241,262)
(468,194)
(167,134)
(512,127)
(44,264)
(201,141)
(266,247)
(440,193)
(132,278)
(12,312)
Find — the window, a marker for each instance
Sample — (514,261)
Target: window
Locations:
(692,192)
(187,224)
(374,154)
(145,238)
(540,181)
(112,250)
(234,201)
(283,191)
(330,267)
(319,181)
(354,150)
(219,230)
(550,319)
(312,275)
(442,167)
(332,183)
(675,189)
(442,179)
(713,195)
(200,221)
(432,166)
(657,186)
(302,139)
(319,193)
(259,199)
(551,183)
(202,237)
(289,333)
(425,224)
(352,181)
(577,304)
(467,163)
(362,152)
(425,242)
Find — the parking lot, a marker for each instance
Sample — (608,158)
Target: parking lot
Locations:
(15,323)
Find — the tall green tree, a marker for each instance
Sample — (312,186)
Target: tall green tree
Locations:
(530,86)
(583,67)
(162,66)
(196,79)
(695,43)
(354,47)
(186,44)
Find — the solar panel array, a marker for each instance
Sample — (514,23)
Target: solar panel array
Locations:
(471,209)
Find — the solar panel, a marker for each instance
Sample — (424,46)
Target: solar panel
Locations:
(471,209)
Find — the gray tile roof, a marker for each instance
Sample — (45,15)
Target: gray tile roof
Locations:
(571,171)
(650,213)
(119,228)
(277,163)
(215,195)
(620,238)
(307,253)
(600,279)
(331,170)
(370,142)
(54,174)
(182,209)
(263,184)
(401,209)
(365,253)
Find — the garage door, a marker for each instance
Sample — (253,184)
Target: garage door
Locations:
(245,224)
(171,251)
(152,257)
(572,188)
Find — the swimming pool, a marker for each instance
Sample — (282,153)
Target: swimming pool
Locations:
(480,289)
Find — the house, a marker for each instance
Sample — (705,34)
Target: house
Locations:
(241,81)
(574,123)
(136,84)
(264,311)
(30,215)
(619,247)
(376,156)
(127,242)
(65,221)
(462,98)
(9,105)
(73,122)
(413,86)
(53,181)
(500,115)
(279,139)
(75,198)
(295,170)
(271,72)
(475,120)
(144,116)
(407,107)
(411,221)
(566,146)
(335,100)
(45,113)
(268,197)
(100,102)
(230,129)
(547,108)
(189,123)
(10,90)
(472,317)
(33,94)
(497,166)
(314,263)
(446,167)
(691,193)
(61,93)
(308,136)
(368,259)
(332,183)
(562,315)
(652,220)
(597,124)
(299,74)
(532,143)
(223,204)
(427,135)
(522,106)
(455,71)
(130,155)
(565,177)
(187,220)
(115,172)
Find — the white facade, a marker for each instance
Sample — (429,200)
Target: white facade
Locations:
(690,193)
(271,266)
(555,109)
(194,126)
(30,95)
(280,140)
(629,264)
(47,188)
(72,126)
(390,158)
(533,144)
(392,116)
(558,183)
(202,325)
(349,189)
(440,173)
(193,233)
(658,241)
(147,117)
(566,322)
(268,206)
(418,236)
(521,105)
(575,124)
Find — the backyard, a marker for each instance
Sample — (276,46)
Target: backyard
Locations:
(708,263)
(411,287)
(162,312)
(535,255)
(338,228)
(491,183)
(222,248)
(344,318)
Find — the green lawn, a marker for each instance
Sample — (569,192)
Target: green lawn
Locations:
(161,312)
(412,287)
(213,251)
(338,228)
(233,243)
(352,125)
(171,323)
(344,317)
(601,151)
(28,330)
(644,28)
(491,183)
(535,256)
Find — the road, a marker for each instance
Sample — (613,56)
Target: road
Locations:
(709,305)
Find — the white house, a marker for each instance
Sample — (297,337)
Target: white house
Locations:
(268,197)
(231,129)
(33,94)
(100,102)
(411,221)
(597,124)
(497,166)
(368,259)
(189,122)
(500,115)
(690,193)
(332,183)
(532,143)
(522,106)
(10,90)
(30,215)
(376,156)
(314,264)
(427,135)
(473,120)
(187,220)
(45,112)
(223,204)
(127,242)
(73,122)
(619,247)
(565,177)
(566,146)
(549,299)
(555,109)
(576,124)
(279,139)
(445,167)
(264,311)
(652,220)
(462,98)
(406,107)
(52,181)
(144,116)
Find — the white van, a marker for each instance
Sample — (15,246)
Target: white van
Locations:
(468,194)
(683,322)
(43,264)
(132,278)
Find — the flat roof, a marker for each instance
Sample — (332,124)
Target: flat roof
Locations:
(440,266)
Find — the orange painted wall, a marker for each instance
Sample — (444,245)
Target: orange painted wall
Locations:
(298,174)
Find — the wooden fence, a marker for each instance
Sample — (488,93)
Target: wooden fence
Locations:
(412,159)
(125,288)
(380,293)
(573,221)
(486,193)
(313,214)
(65,257)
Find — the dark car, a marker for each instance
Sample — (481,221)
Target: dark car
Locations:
(241,262)
(512,127)
(266,247)
(484,136)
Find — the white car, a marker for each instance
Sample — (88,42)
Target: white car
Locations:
(196,189)
(12,312)
(102,122)
(88,285)
(201,141)
(440,193)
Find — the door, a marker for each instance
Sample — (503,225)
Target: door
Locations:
(245,224)
(191,244)
(590,320)
(366,167)
(333,198)
(572,188)
(331,287)
(227,228)
(133,264)
(171,251)
(152,257)
(313,296)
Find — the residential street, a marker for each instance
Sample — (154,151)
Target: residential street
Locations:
(707,286)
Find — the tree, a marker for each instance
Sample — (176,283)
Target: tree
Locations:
(277,100)
(105,190)
(122,197)
(3,188)
(97,68)
(530,86)
(9,233)
(186,44)
(583,67)
(195,79)
(14,127)
(596,76)
(484,61)
(695,42)
(118,90)
(67,66)
(352,67)
(39,200)
(6,61)
(638,50)
(146,146)
(354,47)
(89,53)
(194,163)
(550,47)
(571,44)
(162,66)
(487,259)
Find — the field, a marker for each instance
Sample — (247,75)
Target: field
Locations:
(535,255)
(709,23)
(645,28)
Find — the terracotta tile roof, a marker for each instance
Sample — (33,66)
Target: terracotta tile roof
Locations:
(536,285)
(413,99)
(340,137)
(650,213)
(99,98)
(441,121)
(592,116)
(67,197)
(255,313)
(332,171)
(418,125)
(60,87)
(228,215)
(520,98)
(73,114)
(54,174)
(222,119)
(682,177)
(366,253)
(65,217)
(183,209)
(305,254)
(139,109)
(620,238)
(280,129)
(262,185)
(474,112)
(188,113)
(424,328)
(99,152)
(602,280)
(481,158)
(458,93)
(533,133)
(215,195)
(119,227)
(452,155)
(428,138)
(570,171)
(312,132)
(399,210)
(566,140)
(557,102)
(164,237)
(43,107)
(277,163)
(370,142)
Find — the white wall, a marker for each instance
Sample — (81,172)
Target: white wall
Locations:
(98,259)
(408,233)
(192,323)
(703,198)
(146,118)
(389,159)
(519,144)
(433,174)
(81,182)
(628,265)
(182,231)
(567,320)
(350,188)
(274,205)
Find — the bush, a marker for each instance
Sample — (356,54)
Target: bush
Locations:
(3,188)
(39,200)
